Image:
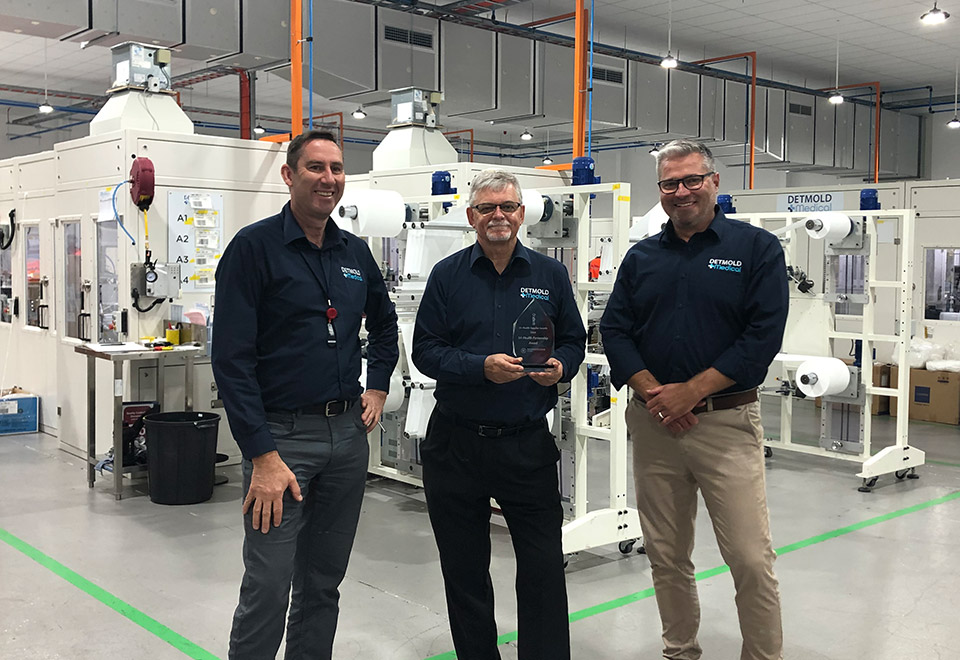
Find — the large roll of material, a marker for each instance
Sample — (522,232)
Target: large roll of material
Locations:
(822,377)
(829,226)
(371,213)
(532,207)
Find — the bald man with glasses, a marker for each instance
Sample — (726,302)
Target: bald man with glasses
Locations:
(488,435)
(695,318)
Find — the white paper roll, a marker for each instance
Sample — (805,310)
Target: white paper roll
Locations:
(829,226)
(396,393)
(371,213)
(532,207)
(822,377)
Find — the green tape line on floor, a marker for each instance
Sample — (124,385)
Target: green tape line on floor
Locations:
(129,611)
(719,570)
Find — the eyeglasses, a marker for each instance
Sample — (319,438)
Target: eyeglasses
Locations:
(487,209)
(692,182)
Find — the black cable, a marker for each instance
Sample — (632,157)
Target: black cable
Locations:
(136,302)
(13,230)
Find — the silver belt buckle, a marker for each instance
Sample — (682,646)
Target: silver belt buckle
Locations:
(326,408)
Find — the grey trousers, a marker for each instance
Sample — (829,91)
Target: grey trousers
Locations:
(310,549)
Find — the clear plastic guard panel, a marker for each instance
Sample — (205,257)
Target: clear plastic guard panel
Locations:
(108,283)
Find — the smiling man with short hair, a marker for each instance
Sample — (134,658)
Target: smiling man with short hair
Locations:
(695,318)
(292,292)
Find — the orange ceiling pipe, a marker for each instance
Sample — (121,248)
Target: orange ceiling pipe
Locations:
(580,80)
(876,122)
(556,167)
(339,116)
(465,130)
(282,137)
(753,99)
(552,19)
(296,68)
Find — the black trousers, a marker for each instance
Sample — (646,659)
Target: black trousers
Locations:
(461,472)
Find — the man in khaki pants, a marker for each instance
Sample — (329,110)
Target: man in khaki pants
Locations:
(695,318)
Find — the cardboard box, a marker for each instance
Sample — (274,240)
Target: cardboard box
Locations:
(881,378)
(934,395)
(19,413)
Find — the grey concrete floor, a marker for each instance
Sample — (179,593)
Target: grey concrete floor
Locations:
(888,590)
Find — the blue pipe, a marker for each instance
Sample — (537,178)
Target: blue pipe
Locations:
(48,130)
(590,88)
(310,63)
(59,108)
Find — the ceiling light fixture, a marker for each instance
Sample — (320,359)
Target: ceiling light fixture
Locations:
(837,98)
(546,151)
(259,129)
(526,135)
(669,62)
(45,108)
(955,122)
(359,113)
(935,16)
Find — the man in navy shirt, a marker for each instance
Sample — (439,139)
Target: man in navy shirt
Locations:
(488,436)
(292,291)
(695,319)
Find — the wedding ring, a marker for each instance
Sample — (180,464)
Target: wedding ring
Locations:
(660,414)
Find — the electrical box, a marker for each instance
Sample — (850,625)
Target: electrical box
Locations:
(156,281)
(137,65)
(412,106)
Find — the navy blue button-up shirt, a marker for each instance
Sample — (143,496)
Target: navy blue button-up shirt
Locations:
(270,349)
(467,313)
(719,300)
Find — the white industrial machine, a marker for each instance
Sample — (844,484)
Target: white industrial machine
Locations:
(851,293)
(115,237)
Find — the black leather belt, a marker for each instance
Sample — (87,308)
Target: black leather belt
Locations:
(328,409)
(720,402)
(487,430)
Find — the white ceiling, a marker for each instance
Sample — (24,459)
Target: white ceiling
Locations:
(880,40)
(795,42)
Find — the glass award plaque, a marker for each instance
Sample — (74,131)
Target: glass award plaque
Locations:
(533,336)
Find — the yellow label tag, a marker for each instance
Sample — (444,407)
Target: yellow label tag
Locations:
(188,221)
(616,186)
(623,198)
(613,399)
(456,196)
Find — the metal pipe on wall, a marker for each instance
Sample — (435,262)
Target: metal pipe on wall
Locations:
(579,80)
(296,68)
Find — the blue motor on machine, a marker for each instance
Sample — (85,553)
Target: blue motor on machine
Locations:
(583,172)
(726,204)
(869,201)
(440,185)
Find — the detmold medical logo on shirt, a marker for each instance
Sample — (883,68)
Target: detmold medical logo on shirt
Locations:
(729,265)
(535,293)
(351,273)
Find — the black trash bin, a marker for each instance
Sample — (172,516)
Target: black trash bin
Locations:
(181,455)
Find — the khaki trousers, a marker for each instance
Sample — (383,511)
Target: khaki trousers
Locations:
(723,457)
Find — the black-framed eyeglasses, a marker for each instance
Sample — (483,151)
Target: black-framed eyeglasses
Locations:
(487,209)
(692,182)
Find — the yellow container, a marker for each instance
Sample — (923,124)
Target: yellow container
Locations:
(173,336)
